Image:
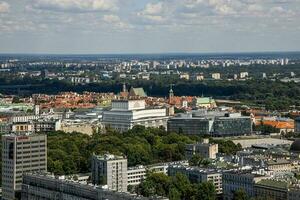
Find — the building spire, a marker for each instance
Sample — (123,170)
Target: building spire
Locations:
(124,87)
(171,92)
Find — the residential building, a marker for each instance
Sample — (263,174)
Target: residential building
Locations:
(125,114)
(205,150)
(110,170)
(271,189)
(198,175)
(135,175)
(21,154)
(279,165)
(40,187)
(45,126)
(240,179)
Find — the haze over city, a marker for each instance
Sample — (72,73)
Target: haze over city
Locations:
(148,26)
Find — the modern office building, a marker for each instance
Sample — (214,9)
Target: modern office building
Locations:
(41,187)
(190,125)
(21,154)
(125,114)
(110,170)
(204,149)
(215,124)
(198,175)
(232,124)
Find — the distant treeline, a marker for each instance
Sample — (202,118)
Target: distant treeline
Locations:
(275,95)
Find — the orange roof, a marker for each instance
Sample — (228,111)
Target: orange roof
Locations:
(278,124)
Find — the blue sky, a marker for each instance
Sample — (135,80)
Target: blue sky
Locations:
(148,26)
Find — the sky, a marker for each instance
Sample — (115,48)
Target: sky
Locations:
(148,26)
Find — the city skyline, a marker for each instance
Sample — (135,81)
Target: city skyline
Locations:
(147,26)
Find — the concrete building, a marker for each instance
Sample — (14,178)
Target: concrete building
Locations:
(297,125)
(110,170)
(21,154)
(125,114)
(279,165)
(22,127)
(271,189)
(40,187)
(216,76)
(5,127)
(198,175)
(240,179)
(45,126)
(135,175)
(204,149)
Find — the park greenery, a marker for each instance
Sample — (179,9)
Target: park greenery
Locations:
(176,187)
(70,153)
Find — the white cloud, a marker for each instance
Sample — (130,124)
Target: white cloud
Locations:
(4,7)
(76,5)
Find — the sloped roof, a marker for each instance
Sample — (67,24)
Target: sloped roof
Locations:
(138,92)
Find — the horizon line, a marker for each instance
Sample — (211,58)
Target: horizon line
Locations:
(158,53)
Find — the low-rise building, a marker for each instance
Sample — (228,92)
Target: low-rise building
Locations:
(205,150)
(135,175)
(126,114)
(279,165)
(199,175)
(240,179)
(271,189)
(40,187)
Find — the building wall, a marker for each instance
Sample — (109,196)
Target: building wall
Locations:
(110,171)
(205,150)
(40,187)
(21,154)
(189,126)
(267,192)
(197,175)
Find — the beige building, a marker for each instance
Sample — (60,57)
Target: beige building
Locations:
(21,154)
(216,76)
(204,149)
(279,165)
(110,170)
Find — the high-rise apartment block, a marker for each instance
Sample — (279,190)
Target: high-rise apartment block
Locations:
(21,154)
(110,170)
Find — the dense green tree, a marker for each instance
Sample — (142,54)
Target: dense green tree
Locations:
(206,191)
(240,194)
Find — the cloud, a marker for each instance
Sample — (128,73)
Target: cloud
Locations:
(4,7)
(76,5)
